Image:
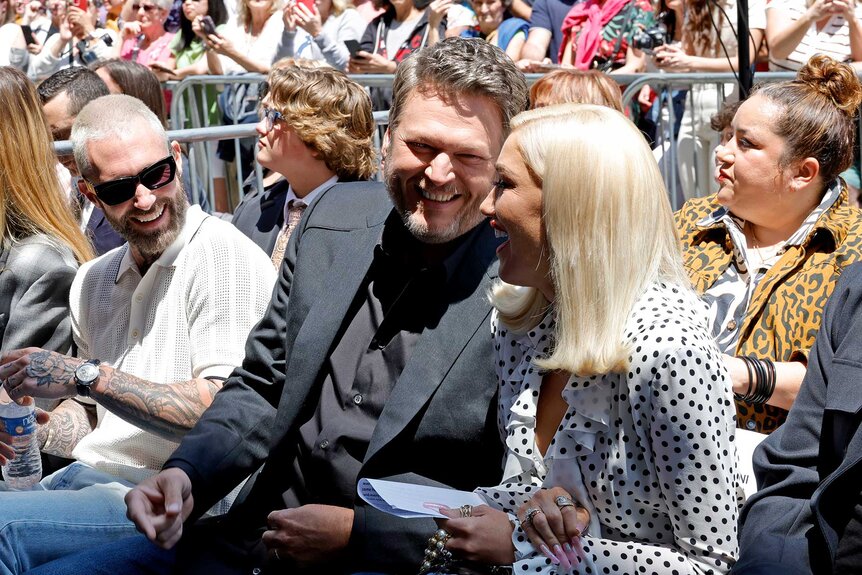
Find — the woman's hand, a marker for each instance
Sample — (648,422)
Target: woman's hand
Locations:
(645,97)
(81,18)
(364,63)
(672,58)
(846,8)
(556,529)
(307,19)
(484,537)
(35,48)
(219,44)
(65,32)
(163,71)
(288,17)
(131,29)
(437,11)
(819,10)
(198,28)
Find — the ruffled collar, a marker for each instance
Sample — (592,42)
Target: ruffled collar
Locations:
(588,399)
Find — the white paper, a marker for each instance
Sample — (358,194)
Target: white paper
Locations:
(408,500)
(746,442)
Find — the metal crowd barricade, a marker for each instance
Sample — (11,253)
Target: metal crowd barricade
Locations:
(217,133)
(701,101)
(191,106)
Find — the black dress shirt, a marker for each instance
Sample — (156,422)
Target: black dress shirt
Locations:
(397,301)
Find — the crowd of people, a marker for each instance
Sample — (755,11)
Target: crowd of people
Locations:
(513,310)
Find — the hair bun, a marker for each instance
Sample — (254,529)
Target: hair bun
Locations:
(834,80)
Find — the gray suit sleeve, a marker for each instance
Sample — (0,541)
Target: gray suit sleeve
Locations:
(242,417)
(36,284)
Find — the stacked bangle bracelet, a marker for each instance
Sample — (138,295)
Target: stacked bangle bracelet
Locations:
(761,379)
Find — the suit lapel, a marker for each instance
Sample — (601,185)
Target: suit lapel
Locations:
(438,348)
(319,328)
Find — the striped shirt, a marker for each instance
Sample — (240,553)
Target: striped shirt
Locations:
(833,40)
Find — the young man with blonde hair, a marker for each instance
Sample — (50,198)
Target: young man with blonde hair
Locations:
(316,130)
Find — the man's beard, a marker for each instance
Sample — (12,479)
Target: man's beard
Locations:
(463,221)
(151,245)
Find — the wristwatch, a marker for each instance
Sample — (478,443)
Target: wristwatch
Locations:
(86,375)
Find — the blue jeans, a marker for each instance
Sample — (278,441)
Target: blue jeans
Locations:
(72,509)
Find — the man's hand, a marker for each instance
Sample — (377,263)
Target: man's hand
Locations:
(309,534)
(159,505)
(6,450)
(485,536)
(37,372)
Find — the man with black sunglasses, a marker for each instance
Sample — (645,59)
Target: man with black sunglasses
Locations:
(159,324)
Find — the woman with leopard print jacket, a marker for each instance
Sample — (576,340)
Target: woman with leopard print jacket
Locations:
(766,251)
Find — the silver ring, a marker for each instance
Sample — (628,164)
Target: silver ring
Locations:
(563,501)
(531,512)
(466,510)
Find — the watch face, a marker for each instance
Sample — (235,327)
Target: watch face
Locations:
(87,373)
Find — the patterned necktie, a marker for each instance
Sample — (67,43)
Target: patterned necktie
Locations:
(294,214)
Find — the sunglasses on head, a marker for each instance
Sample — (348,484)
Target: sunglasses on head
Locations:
(152,177)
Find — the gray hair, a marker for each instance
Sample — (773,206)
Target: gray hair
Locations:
(458,66)
(164,4)
(107,117)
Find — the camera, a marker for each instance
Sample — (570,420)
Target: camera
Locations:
(651,38)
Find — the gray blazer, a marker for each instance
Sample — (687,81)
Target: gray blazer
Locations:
(34,294)
(438,426)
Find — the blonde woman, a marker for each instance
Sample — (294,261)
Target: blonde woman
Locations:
(248,44)
(41,245)
(613,397)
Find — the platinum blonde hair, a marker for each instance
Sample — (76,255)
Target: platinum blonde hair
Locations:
(609,227)
(107,117)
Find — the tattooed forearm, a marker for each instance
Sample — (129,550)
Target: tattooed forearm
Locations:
(169,411)
(69,423)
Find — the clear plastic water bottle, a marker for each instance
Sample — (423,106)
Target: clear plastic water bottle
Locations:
(19,421)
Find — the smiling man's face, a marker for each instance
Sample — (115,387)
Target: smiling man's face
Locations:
(439,163)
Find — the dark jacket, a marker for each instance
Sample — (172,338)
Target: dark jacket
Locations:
(438,426)
(808,471)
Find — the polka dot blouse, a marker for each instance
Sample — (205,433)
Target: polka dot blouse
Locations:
(649,452)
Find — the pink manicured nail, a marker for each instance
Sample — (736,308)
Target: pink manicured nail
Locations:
(547,552)
(564,561)
(570,553)
(579,549)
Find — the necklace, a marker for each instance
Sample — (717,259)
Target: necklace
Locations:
(766,254)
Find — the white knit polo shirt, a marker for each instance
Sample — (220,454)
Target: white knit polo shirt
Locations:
(188,316)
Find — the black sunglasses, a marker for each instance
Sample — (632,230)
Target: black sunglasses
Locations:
(153,177)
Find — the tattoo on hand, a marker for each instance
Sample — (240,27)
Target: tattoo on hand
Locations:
(48,367)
